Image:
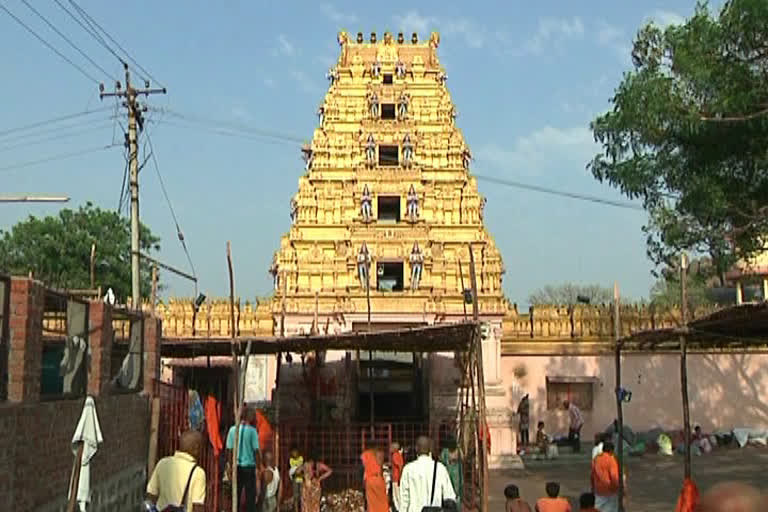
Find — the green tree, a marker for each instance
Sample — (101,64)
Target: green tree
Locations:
(688,134)
(57,249)
(699,282)
(568,293)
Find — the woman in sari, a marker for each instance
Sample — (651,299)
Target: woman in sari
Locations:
(314,473)
(452,462)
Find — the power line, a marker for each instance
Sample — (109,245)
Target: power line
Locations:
(91,31)
(226,132)
(54,120)
(55,137)
(88,18)
(179,233)
(68,40)
(48,45)
(57,129)
(54,158)
(561,193)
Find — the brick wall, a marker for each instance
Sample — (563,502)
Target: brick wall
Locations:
(35,442)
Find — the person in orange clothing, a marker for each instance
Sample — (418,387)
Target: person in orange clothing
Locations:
(375,486)
(553,502)
(265,430)
(397,471)
(605,479)
(212,421)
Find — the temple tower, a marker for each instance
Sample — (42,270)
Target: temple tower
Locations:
(387,201)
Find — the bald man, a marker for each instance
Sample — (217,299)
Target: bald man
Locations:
(732,497)
(178,481)
(425,481)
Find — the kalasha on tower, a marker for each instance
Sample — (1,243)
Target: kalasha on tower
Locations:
(385,211)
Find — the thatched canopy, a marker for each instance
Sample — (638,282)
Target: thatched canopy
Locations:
(439,338)
(744,326)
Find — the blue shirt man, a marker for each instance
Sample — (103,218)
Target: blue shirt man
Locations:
(247,458)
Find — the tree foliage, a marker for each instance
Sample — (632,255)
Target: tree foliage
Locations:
(699,283)
(688,134)
(568,293)
(57,249)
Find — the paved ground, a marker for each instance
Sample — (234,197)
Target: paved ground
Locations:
(654,480)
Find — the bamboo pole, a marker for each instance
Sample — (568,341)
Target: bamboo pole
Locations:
(619,405)
(237,406)
(684,365)
(478,354)
(461,276)
(74,484)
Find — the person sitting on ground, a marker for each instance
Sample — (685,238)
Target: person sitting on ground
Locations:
(605,479)
(553,502)
(514,502)
(587,502)
(700,441)
(545,447)
(177,481)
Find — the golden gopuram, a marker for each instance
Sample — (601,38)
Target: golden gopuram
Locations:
(387,200)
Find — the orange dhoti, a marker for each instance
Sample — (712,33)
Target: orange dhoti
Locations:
(376,494)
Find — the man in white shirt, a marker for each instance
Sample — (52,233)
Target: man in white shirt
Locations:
(576,421)
(271,482)
(420,476)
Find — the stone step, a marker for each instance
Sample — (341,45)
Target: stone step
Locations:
(505,461)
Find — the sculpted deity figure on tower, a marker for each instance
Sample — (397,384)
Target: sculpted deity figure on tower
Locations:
(363,266)
(417,262)
(402,106)
(376,68)
(400,69)
(373,105)
(407,150)
(413,204)
(365,204)
(294,210)
(370,151)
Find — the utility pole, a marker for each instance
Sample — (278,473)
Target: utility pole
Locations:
(135,123)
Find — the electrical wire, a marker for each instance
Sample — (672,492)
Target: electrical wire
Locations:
(123,188)
(225,132)
(561,193)
(179,233)
(88,18)
(54,120)
(54,158)
(55,130)
(68,40)
(49,45)
(91,31)
(55,137)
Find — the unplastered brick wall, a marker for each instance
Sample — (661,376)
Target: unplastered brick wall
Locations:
(36,453)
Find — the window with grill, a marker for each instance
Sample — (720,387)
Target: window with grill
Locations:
(577,391)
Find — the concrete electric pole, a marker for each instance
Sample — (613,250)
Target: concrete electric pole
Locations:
(135,121)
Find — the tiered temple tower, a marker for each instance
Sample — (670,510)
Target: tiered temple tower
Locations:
(387,201)
(387,184)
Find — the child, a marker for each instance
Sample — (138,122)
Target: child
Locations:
(296,473)
(514,502)
(546,449)
(587,502)
(553,502)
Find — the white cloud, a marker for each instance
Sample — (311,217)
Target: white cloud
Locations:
(285,47)
(616,40)
(472,33)
(269,82)
(665,18)
(551,31)
(335,15)
(240,113)
(545,147)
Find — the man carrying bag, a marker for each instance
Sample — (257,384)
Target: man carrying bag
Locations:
(425,485)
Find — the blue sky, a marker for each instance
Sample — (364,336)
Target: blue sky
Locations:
(527,77)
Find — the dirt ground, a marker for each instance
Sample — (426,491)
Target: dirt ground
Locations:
(654,480)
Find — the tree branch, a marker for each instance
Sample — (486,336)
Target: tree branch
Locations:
(734,119)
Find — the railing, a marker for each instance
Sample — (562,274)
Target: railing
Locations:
(340,447)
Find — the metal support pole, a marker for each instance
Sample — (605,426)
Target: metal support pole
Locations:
(619,405)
